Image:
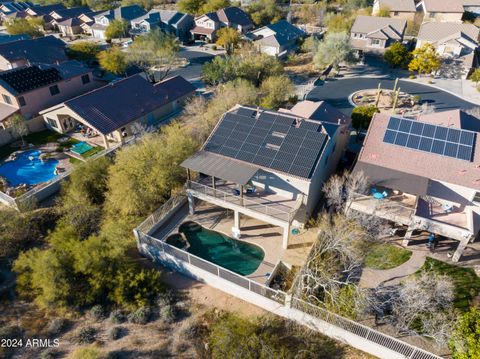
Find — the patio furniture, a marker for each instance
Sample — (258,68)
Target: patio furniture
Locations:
(236,192)
(447,208)
(251,190)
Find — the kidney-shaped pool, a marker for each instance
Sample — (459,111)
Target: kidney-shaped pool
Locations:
(238,256)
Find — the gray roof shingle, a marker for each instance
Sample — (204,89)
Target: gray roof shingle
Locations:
(47,50)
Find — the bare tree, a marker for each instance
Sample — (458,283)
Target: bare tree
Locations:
(19,126)
(339,190)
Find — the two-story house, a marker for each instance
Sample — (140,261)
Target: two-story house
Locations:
(277,39)
(9,8)
(136,102)
(376,34)
(441,10)
(44,50)
(124,13)
(170,21)
(61,15)
(398,9)
(424,174)
(452,40)
(78,24)
(208,24)
(30,89)
(269,165)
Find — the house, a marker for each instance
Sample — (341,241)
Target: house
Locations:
(62,15)
(44,50)
(472,6)
(9,8)
(376,34)
(452,40)
(28,90)
(424,174)
(172,22)
(269,165)
(441,10)
(399,9)
(208,24)
(115,111)
(125,13)
(78,24)
(277,39)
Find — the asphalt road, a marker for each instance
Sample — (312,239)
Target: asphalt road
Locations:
(336,93)
(197,59)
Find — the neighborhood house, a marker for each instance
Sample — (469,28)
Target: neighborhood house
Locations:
(172,22)
(398,9)
(125,13)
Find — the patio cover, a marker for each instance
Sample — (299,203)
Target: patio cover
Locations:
(221,167)
(386,177)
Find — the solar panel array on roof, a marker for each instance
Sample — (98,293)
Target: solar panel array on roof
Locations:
(269,140)
(450,142)
(29,78)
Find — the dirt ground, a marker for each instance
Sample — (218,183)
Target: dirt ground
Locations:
(157,339)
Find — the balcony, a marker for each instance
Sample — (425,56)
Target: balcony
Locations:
(261,202)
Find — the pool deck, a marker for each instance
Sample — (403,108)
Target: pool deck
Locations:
(265,235)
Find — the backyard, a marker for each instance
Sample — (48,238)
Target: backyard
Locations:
(386,256)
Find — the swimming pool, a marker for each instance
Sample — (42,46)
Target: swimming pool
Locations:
(28,168)
(239,257)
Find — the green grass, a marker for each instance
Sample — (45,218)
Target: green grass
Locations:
(91,152)
(75,161)
(467,283)
(386,256)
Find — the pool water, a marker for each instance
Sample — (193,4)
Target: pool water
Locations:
(29,169)
(239,257)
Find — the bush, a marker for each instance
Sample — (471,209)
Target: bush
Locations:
(140,316)
(214,47)
(117,316)
(362,115)
(166,298)
(49,353)
(86,335)
(412,77)
(115,333)
(56,326)
(167,313)
(90,352)
(97,312)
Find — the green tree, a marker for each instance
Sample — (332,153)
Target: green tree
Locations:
(475,76)
(100,4)
(362,115)
(155,53)
(31,27)
(116,29)
(275,91)
(83,50)
(338,23)
(398,55)
(333,50)
(264,12)
(19,126)
(193,7)
(465,340)
(425,60)
(228,38)
(113,60)
(384,11)
(214,5)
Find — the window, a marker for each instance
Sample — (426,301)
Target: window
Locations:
(7,99)
(476,198)
(85,79)
(54,90)
(51,122)
(375,42)
(21,101)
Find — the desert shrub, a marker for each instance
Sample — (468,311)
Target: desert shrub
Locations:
(49,353)
(167,313)
(55,326)
(86,335)
(97,312)
(117,316)
(140,316)
(115,333)
(166,298)
(90,352)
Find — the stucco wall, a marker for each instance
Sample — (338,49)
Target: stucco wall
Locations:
(443,17)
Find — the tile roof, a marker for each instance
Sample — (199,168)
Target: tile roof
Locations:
(48,50)
(424,164)
(46,9)
(321,111)
(10,38)
(271,140)
(127,13)
(437,31)
(398,5)
(134,97)
(369,24)
(234,15)
(72,12)
(452,6)
(284,33)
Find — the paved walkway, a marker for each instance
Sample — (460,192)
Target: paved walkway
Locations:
(372,278)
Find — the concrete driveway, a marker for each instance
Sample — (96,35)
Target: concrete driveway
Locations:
(336,92)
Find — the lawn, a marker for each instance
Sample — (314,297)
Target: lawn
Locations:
(386,256)
(92,152)
(467,283)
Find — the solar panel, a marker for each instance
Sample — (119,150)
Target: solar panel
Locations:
(449,142)
(309,125)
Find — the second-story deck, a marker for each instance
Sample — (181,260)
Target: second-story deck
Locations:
(262,202)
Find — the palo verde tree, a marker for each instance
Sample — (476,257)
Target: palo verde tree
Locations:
(397,55)
(425,60)
(113,60)
(228,38)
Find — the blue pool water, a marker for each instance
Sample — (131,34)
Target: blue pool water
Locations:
(238,256)
(28,168)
